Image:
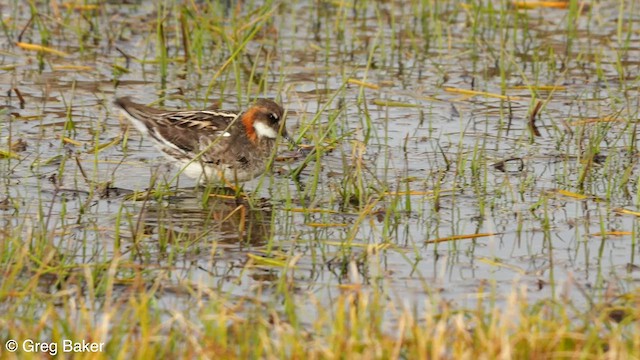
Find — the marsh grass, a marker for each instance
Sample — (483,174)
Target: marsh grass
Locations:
(395,235)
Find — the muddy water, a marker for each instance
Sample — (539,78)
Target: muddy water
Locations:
(394,182)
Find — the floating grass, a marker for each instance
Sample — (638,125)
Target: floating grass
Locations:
(459,237)
(41,49)
(8,154)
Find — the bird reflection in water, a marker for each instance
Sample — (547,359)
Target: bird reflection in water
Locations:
(185,218)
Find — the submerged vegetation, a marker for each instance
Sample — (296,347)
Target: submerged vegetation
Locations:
(466,183)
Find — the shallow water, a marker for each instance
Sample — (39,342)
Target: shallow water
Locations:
(444,149)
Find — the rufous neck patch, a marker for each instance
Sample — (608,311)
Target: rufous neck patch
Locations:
(248,119)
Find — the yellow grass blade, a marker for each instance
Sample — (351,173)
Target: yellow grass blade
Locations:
(140,195)
(342,4)
(261,260)
(613,233)
(596,120)
(503,265)
(222,196)
(626,212)
(6,154)
(106,145)
(571,194)
(460,237)
(315,47)
(528,5)
(67,140)
(27,117)
(120,69)
(541,4)
(34,47)
(80,7)
(479,93)
(362,83)
(54,160)
(390,103)
(358,245)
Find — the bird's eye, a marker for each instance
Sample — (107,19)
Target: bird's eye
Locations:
(273,117)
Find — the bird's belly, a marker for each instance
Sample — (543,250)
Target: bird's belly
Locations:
(207,173)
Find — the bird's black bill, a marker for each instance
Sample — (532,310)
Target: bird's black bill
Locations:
(289,139)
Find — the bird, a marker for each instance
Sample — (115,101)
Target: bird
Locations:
(213,146)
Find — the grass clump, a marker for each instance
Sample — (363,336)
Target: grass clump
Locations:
(104,303)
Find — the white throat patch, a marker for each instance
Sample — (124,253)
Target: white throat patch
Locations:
(263,130)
